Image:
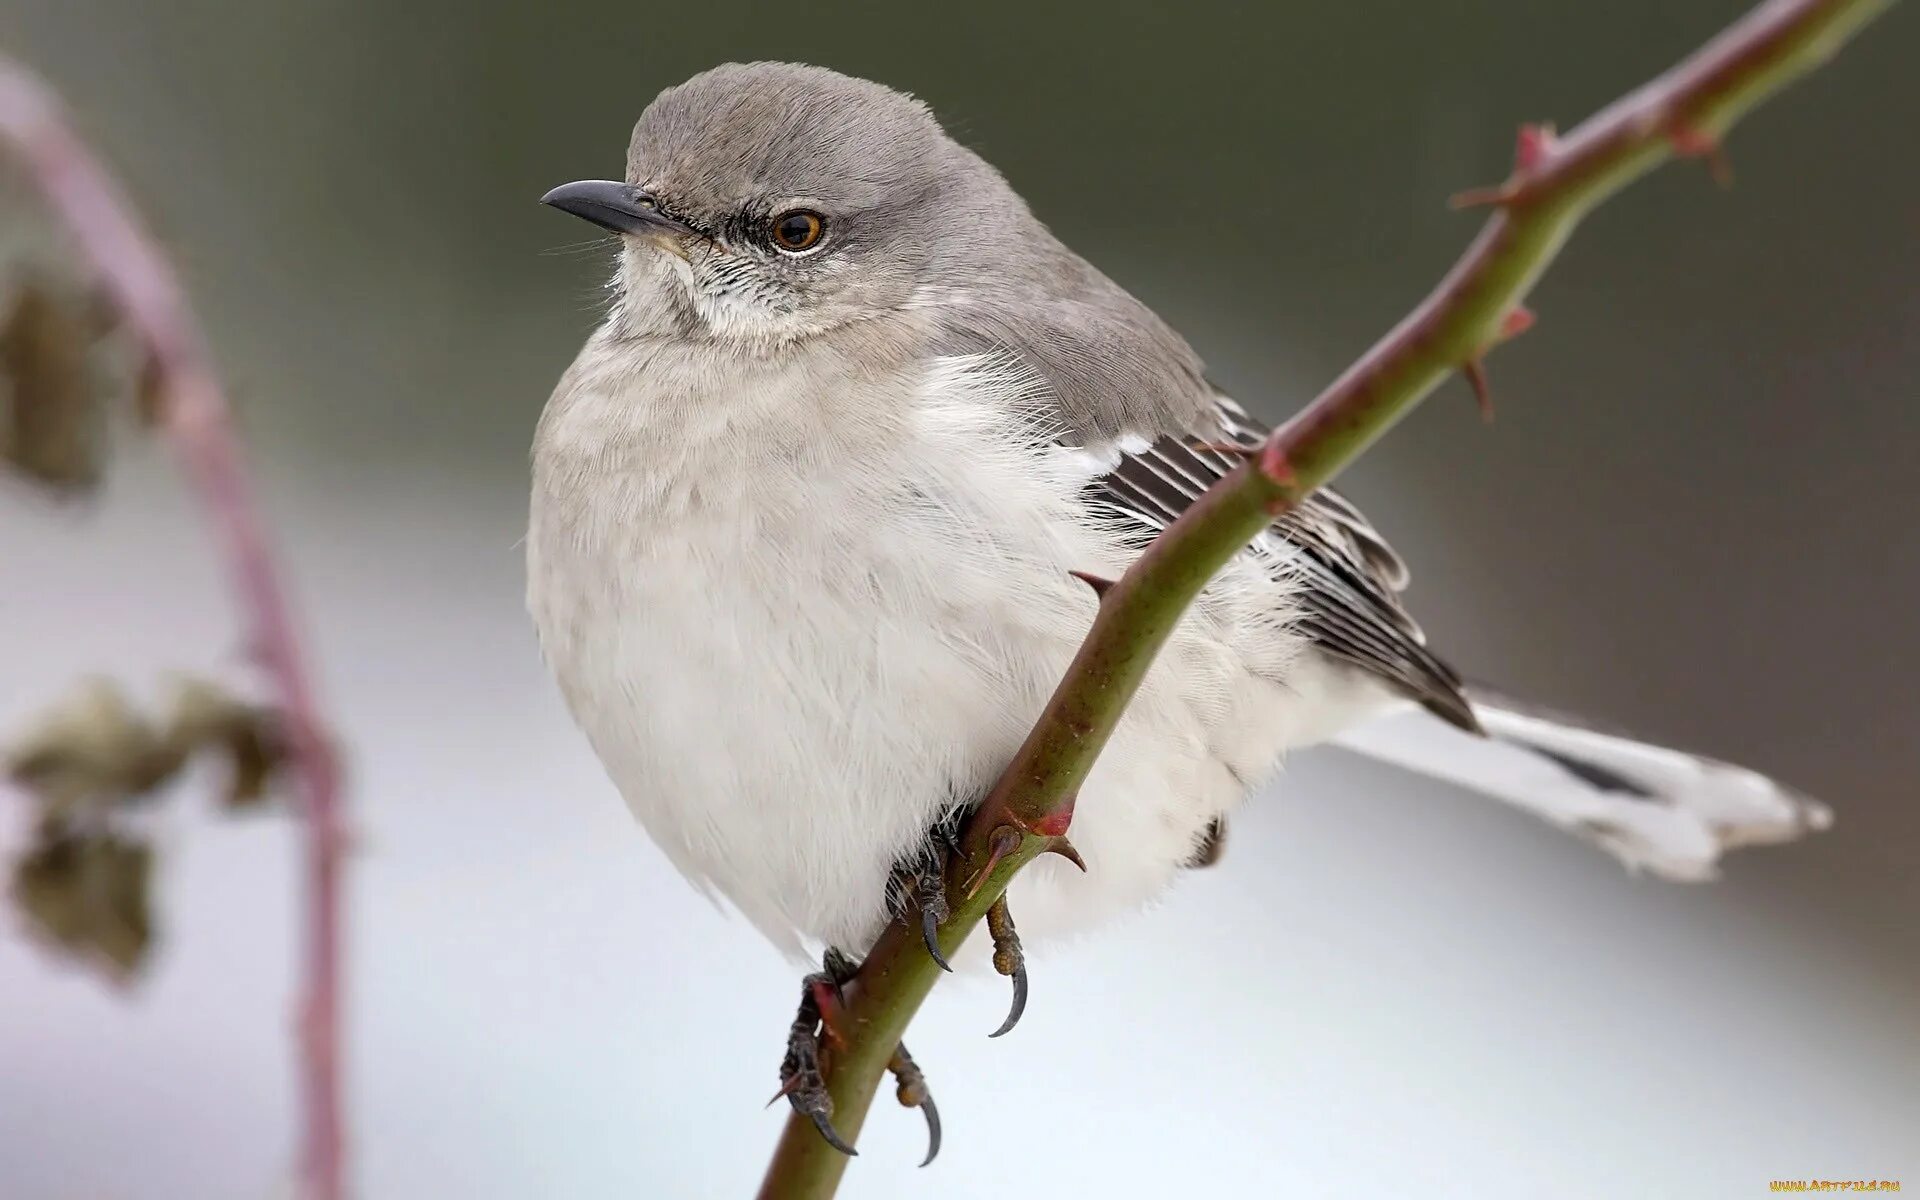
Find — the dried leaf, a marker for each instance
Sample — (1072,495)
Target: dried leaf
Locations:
(90,896)
(52,421)
(91,752)
(248,736)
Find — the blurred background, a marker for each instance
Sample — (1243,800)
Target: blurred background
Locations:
(1693,517)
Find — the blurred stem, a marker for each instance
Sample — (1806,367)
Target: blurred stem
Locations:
(1555,182)
(191,411)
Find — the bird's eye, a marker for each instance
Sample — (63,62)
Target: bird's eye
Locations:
(797,230)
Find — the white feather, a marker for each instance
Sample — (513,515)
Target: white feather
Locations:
(1696,808)
(796,631)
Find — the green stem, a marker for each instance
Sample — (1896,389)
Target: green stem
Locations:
(1555,183)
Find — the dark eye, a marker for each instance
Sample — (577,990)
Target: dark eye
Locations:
(798,230)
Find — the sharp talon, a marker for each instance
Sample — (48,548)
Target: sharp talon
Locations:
(912,1092)
(1019,1002)
(933,1130)
(832,1136)
(929,893)
(1008,959)
(930,934)
(839,967)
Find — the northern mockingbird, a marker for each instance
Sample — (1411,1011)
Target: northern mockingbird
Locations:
(804,512)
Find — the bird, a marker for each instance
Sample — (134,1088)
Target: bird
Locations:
(811,511)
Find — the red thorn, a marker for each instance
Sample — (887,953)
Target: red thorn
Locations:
(1690,141)
(1055,823)
(1485,197)
(1065,849)
(1518,320)
(1534,144)
(1274,464)
(786,1089)
(1004,841)
(1098,583)
(1477,376)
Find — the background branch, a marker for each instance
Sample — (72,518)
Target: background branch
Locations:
(191,411)
(1555,182)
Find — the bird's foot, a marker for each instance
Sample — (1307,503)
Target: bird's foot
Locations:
(815,1029)
(816,1033)
(921,884)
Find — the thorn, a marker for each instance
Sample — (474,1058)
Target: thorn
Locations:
(1065,849)
(1274,464)
(1004,841)
(1518,320)
(1533,145)
(1098,583)
(1485,197)
(1483,395)
(1057,822)
(786,1089)
(1230,449)
(1690,141)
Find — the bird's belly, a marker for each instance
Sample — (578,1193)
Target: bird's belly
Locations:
(790,688)
(787,746)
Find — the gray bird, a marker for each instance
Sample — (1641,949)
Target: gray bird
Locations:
(804,511)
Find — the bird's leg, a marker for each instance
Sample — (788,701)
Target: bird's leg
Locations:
(920,881)
(1008,959)
(802,1079)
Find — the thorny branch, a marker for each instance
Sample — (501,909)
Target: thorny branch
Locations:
(1555,181)
(191,412)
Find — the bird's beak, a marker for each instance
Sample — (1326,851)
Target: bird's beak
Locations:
(621,207)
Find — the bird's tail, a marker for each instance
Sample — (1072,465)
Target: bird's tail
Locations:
(1664,811)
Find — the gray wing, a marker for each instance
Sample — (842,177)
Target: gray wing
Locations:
(1116,378)
(1350,601)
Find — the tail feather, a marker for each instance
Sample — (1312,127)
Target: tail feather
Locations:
(1664,811)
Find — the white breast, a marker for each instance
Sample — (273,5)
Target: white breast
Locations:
(800,613)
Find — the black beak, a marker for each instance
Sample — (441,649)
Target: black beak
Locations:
(620,207)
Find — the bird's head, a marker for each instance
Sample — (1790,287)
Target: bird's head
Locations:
(768,202)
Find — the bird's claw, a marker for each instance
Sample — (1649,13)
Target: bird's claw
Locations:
(912,1092)
(930,896)
(1009,960)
